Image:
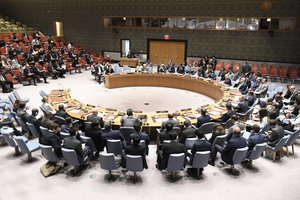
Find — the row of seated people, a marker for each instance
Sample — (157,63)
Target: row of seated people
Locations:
(40,60)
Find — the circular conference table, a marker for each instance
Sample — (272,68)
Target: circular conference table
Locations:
(152,120)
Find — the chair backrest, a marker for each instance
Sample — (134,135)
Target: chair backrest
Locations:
(33,130)
(239,155)
(60,120)
(292,138)
(257,151)
(177,130)
(265,128)
(271,87)
(88,142)
(207,127)
(281,143)
(43,110)
(248,113)
(12,98)
(16,94)
(126,132)
(21,122)
(9,139)
(21,144)
(48,153)
(107,161)
(219,140)
(229,123)
(134,163)
(64,134)
(189,142)
(201,159)
(70,156)
(114,146)
(43,94)
(176,162)
(43,130)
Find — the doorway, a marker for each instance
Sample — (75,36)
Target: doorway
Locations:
(58,29)
(125,47)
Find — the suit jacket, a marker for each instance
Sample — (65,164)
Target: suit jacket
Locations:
(92,118)
(230,130)
(62,114)
(233,144)
(227,81)
(96,135)
(250,100)
(139,151)
(72,143)
(52,140)
(254,140)
(143,136)
(189,132)
(129,121)
(112,135)
(47,123)
(226,116)
(172,120)
(262,90)
(242,107)
(276,134)
(202,120)
(164,135)
(243,88)
(201,145)
(170,148)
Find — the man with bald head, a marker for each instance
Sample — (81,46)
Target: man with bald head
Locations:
(229,149)
(94,117)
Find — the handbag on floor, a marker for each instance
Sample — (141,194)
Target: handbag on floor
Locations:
(49,169)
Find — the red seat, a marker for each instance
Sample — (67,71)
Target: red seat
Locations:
(254,68)
(228,66)
(11,79)
(218,67)
(293,72)
(69,67)
(236,67)
(263,70)
(3,51)
(273,71)
(282,72)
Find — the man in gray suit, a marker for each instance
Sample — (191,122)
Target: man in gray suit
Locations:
(94,117)
(262,89)
(129,120)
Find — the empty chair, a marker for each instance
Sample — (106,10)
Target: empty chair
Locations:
(256,152)
(245,116)
(134,164)
(114,146)
(16,94)
(88,142)
(229,123)
(282,72)
(126,132)
(48,153)
(60,120)
(43,130)
(33,130)
(11,142)
(189,142)
(207,127)
(175,163)
(254,68)
(219,140)
(43,94)
(200,160)
(277,148)
(71,158)
(291,140)
(293,73)
(12,98)
(263,70)
(26,147)
(107,162)
(273,72)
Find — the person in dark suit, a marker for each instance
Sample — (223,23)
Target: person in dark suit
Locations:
(29,74)
(33,120)
(249,98)
(167,133)
(95,133)
(262,89)
(228,151)
(66,127)
(227,80)
(236,122)
(38,73)
(204,118)
(242,86)
(71,142)
(47,120)
(226,116)
(188,132)
(274,112)
(217,131)
(246,69)
(109,134)
(61,111)
(294,94)
(135,149)
(94,117)
(170,119)
(167,149)
(277,132)
(129,120)
(143,136)
(52,139)
(255,139)
(200,145)
(109,70)
(243,106)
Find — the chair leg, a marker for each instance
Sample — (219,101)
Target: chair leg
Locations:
(293,149)
(17,152)
(173,175)
(110,175)
(134,177)
(198,173)
(29,156)
(287,151)
(274,156)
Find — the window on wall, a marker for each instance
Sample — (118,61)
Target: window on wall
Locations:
(204,23)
